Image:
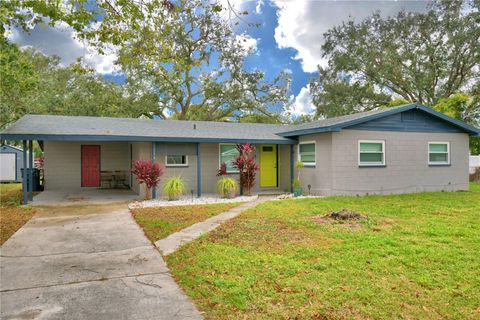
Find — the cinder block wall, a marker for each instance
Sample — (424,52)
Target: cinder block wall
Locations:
(337,171)
(406,169)
(63,169)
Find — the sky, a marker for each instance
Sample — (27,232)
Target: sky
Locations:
(289,38)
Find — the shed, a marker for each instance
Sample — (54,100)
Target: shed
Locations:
(11,159)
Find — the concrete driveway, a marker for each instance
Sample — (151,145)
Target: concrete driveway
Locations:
(87,262)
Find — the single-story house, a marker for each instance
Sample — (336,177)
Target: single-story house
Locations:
(410,148)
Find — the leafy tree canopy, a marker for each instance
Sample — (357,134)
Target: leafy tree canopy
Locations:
(33,83)
(417,57)
(186,51)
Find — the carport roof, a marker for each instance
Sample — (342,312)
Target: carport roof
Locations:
(70,128)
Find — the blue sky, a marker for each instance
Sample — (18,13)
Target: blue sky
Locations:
(289,38)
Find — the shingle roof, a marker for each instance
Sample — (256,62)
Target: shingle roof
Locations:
(338,123)
(48,127)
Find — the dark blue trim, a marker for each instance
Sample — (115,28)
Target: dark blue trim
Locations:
(199,171)
(339,126)
(24,173)
(56,137)
(154,151)
(292,166)
(30,169)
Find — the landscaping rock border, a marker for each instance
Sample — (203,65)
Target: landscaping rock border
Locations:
(187,201)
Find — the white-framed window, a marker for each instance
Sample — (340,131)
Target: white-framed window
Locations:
(306,153)
(176,160)
(228,152)
(438,153)
(371,152)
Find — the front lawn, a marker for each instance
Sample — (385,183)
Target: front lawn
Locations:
(417,257)
(159,222)
(12,215)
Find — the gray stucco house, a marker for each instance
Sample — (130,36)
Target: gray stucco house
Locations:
(410,148)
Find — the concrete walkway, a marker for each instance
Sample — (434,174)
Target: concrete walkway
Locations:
(176,240)
(87,262)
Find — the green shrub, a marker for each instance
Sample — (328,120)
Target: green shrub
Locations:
(174,187)
(226,187)
(296,183)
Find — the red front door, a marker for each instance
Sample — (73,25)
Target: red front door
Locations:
(90,166)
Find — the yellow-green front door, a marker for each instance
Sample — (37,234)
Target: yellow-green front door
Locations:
(268,165)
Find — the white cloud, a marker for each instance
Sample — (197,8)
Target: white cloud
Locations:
(61,41)
(302,23)
(259,6)
(302,104)
(248,43)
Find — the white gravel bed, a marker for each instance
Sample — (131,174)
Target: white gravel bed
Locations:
(185,201)
(290,196)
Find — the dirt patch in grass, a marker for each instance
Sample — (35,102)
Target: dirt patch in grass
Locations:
(343,218)
(159,222)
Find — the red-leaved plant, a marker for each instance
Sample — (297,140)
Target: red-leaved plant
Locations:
(223,170)
(40,163)
(147,173)
(245,163)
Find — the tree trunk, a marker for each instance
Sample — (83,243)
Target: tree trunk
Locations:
(147,193)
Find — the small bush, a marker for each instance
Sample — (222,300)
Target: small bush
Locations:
(147,173)
(226,187)
(296,183)
(174,187)
(247,168)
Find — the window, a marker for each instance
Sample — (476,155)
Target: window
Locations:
(176,160)
(438,153)
(306,153)
(371,153)
(228,152)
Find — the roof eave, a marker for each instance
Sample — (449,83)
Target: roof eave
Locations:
(468,128)
(51,137)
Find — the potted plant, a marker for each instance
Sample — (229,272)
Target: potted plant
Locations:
(148,174)
(174,187)
(297,186)
(226,187)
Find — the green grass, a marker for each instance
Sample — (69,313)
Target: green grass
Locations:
(12,215)
(159,222)
(417,257)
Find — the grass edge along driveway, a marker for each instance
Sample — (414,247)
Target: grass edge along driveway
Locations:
(415,258)
(160,222)
(12,215)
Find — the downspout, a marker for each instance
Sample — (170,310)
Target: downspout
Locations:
(154,151)
(24,173)
(199,172)
(292,166)
(30,169)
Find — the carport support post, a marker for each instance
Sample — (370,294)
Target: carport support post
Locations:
(30,169)
(292,166)
(199,172)
(24,173)
(154,151)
